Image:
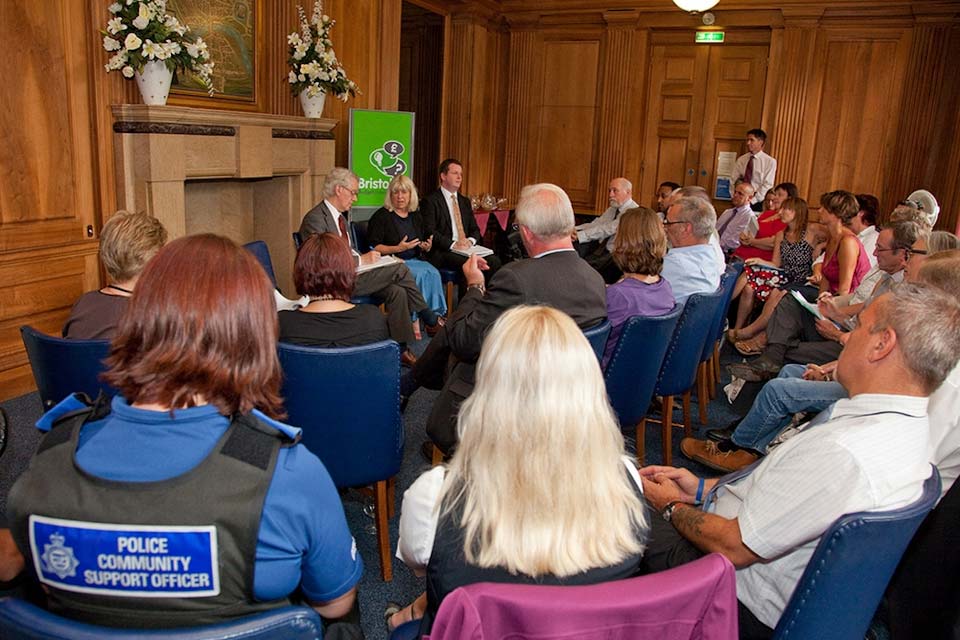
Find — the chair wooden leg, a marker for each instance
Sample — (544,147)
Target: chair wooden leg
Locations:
(703,382)
(380,508)
(667,430)
(641,441)
(716,361)
(392,497)
(687,424)
(449,298)
(712,377)
(437,457)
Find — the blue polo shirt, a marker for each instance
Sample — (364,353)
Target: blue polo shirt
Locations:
(303,538)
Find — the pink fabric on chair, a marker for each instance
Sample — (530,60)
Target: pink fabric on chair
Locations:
(697,601)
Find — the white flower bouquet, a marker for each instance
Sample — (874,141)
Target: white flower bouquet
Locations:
(313,64)
(142,31)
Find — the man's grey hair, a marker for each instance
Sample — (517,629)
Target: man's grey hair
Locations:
(699,213)
(338,177)
(926,320)
(905,233)
(691,191)
(545,210)
(626,183)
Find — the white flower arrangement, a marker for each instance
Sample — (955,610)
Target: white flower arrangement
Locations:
(142,31)
(313,64)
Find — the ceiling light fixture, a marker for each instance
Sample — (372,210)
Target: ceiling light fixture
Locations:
(695,6)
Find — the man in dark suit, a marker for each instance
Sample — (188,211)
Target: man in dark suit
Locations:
(448,217)
(555,275)
(394,284)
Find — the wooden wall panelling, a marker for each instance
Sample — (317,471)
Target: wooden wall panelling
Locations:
(523,82)
(856,122)
(930,91)
(792,68)
(566,144)
(615,98)
(637,105)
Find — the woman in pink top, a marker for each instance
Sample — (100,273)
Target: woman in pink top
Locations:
(845,260)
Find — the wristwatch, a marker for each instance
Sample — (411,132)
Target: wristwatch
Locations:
(667,512)
(479,287)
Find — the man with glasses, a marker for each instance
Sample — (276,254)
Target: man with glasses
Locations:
(691,265)
(394,284)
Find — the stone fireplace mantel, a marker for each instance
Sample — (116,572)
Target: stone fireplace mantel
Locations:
(249,176)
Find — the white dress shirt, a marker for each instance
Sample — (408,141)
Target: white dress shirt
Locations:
(605,225)
(764,173)
(944,412)
(872,455)
(731,224)
(448,197)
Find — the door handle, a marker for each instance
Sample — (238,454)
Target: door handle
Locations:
(703,172)
(690,172)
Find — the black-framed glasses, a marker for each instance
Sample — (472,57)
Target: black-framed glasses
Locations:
(911,252)
(667,223)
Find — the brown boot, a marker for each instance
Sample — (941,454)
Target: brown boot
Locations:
(707,452)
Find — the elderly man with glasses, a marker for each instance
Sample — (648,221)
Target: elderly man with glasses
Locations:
(691,265)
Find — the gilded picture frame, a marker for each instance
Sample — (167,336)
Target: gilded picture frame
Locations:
(232,31)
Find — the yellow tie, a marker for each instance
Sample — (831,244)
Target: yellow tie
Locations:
(457,218)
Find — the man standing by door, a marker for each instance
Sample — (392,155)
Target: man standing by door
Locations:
(756,167)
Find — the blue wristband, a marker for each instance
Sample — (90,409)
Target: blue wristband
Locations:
(700,491)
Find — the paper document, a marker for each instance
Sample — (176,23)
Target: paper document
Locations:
(812,308)
(382,262)
(477,250)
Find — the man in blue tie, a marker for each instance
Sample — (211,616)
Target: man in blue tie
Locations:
(865,453)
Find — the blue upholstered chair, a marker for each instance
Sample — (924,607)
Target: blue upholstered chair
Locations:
(632,371)
(24,621)
(260,251)
(449,278)
(347,401)
(358,233)
(678,374)
(61,367)
(297,240)
(597,336)
(707,373)
(849,570)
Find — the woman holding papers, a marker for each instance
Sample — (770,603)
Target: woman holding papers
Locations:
(397,229)
(766,281)
(324,270)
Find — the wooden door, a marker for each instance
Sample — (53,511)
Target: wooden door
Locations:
(702,100)
(678,77)
(734,104)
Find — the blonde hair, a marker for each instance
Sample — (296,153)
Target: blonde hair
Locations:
(539,410)
(127,242)
(401,183)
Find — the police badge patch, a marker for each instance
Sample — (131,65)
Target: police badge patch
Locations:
(59,559)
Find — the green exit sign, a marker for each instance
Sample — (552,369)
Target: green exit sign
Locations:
(709,36)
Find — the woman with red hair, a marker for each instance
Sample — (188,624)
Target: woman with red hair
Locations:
(185,501)
(324,271)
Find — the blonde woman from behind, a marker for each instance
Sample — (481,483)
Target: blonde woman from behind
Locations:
(540,462)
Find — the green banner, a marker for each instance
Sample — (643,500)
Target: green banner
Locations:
(381,147)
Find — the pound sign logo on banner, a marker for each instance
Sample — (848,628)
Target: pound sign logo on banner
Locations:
(386,159)
(58,558)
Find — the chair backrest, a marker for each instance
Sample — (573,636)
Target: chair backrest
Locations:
(359,231)
(923,598)
(260,251)
(696,600)
(61,367)
(679,369)
(850,568)
(727,282)
(297,240)
(22,620)
(597,336)
(635,364)
(347,401)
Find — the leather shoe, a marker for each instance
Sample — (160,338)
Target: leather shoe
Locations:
(718,435)
(707,453)
(435,329)
(407,358)
(760,370)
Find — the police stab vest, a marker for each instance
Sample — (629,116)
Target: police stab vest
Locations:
(171,553)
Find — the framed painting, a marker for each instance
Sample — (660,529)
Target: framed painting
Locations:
(230,29)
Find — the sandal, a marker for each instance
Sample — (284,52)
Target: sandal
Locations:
(751,347)
(391,610)
(733,336)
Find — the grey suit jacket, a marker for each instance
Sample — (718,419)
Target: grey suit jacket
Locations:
(318,220)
